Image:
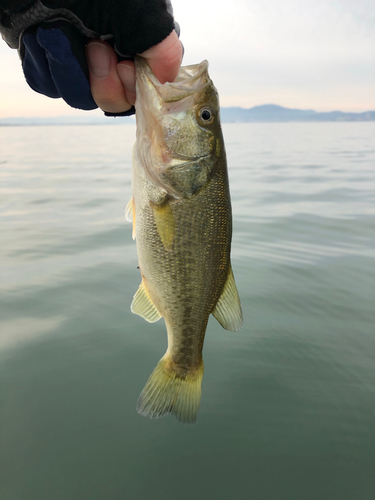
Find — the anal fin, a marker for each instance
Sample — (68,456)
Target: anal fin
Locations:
(143,306)
(228,310)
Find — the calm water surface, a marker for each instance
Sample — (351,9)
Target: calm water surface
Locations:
(288,405)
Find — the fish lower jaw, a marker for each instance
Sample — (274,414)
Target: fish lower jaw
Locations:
(166,161)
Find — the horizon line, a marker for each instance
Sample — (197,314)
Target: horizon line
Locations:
(88,115)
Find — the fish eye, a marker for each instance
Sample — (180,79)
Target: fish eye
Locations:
(206,115)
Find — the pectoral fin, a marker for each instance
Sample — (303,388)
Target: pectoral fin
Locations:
(165,224)
(130,214)
(142,304)
(228,308)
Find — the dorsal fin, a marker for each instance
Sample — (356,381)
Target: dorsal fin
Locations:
(228,308)
(142,304)
(130,214)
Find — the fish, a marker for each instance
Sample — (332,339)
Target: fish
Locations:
(182,223)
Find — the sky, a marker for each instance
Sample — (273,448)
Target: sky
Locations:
(306,54)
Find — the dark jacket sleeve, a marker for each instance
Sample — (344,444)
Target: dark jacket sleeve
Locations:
(132,26)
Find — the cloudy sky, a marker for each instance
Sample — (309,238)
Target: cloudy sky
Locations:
(308,54)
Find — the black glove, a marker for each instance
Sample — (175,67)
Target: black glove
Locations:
(51,36)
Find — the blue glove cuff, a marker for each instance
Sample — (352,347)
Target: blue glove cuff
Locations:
(51,69)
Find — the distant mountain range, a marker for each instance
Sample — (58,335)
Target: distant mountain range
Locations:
(274,113)
(264,113)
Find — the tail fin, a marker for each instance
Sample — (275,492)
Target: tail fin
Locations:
(168,391)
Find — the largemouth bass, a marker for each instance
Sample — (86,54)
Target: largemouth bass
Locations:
(182,224)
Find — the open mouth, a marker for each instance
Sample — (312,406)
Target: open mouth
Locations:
(189,80)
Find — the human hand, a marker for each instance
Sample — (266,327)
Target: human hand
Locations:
(51,38)
(112,83)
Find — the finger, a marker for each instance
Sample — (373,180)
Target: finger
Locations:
(106,86)
(165,58)
(126,72)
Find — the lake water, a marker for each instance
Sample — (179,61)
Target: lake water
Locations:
(288,404)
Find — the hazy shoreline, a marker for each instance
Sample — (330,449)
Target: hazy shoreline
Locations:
(268,113)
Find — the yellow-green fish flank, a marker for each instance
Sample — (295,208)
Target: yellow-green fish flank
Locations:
(182,223)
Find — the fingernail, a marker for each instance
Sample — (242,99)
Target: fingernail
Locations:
(99,59)
(127,76)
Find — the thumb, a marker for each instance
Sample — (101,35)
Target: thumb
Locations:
(165,58)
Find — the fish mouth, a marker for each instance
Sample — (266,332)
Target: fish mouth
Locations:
(189,80)
(159,107)
(156,100)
